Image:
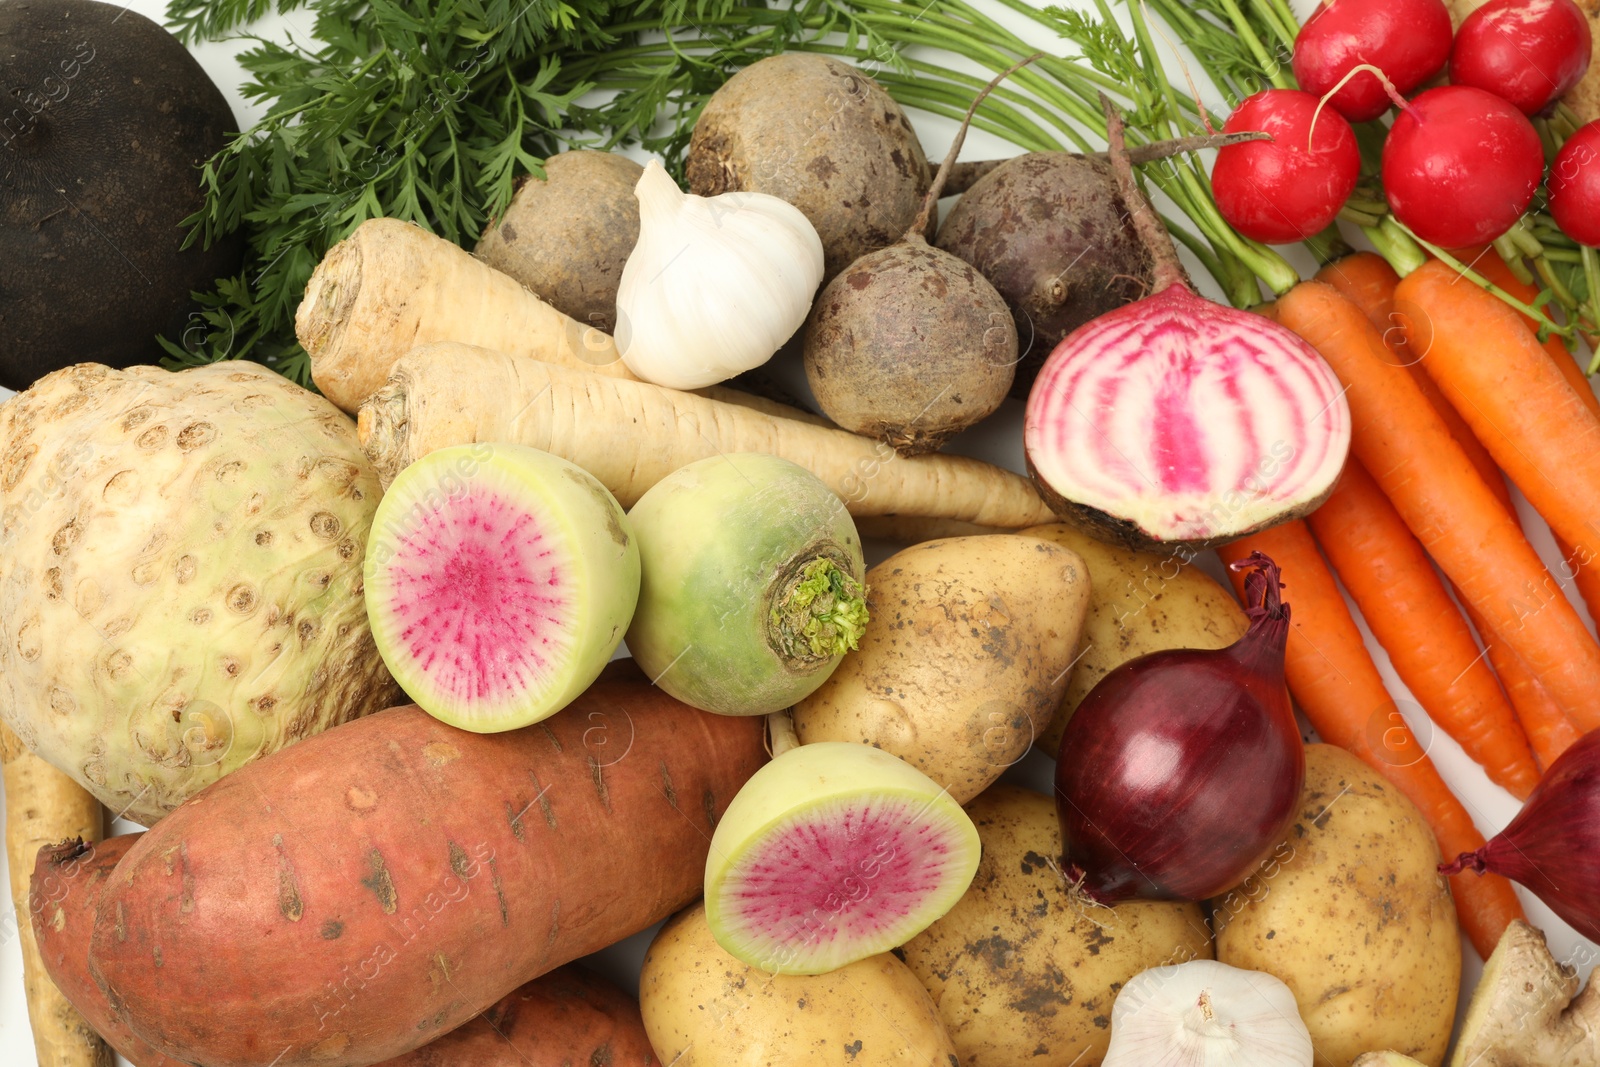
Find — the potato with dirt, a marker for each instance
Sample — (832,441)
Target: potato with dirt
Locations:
(1352,914)
(1024,969)
(1140,602)
(704,1008)
(966,654)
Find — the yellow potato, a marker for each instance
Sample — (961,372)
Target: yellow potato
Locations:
(1023,970)
(965,657)
(703,1008)
(1350,913)
(1141,602)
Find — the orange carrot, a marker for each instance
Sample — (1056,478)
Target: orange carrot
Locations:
(1407,448)
(1336,684)
(1369,282)
(1489,264)
(1518,403)
(1412,616)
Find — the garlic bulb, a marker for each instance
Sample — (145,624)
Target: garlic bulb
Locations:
(1206,1014)
(715,285)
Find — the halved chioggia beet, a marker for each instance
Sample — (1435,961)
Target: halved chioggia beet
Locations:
(831,853)
(1175,420)
(500,579)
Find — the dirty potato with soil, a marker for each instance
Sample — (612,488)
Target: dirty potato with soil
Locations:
(1140,602)
(704,1008)
(1350,912)
(964,659)
(1024,969)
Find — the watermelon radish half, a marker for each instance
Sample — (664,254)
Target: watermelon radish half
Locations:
(500,579)
(831,853)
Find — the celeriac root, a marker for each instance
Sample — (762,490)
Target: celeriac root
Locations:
(630,435)
(45,807)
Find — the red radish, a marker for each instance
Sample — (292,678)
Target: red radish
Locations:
(1575,186)
(1177,420)
(1286,189)
(1181,769)
(1461,165)
(1409,40)
(1553,845)
(1528,52)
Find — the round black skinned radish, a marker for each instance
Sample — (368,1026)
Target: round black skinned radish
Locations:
(912,344)
(822,135)
(104,120)
(1049,232)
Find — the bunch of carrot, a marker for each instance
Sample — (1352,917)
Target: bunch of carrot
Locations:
(1448,386)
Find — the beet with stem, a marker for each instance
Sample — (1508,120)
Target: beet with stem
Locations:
(912,344)
(1176,420)
(1049,231)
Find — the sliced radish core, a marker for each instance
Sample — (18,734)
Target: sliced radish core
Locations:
(480,605)
(1175,419)
(831,853)
(500,579)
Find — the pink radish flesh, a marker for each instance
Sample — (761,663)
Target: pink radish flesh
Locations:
(483,602)
(1175,419)
(1409,40)
(1528,52)
(1291,187)
(1575,186)
(842,871)
(1460,165)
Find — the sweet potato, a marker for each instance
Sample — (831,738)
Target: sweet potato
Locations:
(569,1016)
(68,879)
(562,1019)
(366,890)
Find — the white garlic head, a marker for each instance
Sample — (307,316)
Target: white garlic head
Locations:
(715,285)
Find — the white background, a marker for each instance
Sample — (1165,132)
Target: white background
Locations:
(998,440)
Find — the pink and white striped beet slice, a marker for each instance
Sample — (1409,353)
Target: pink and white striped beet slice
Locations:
(1175,419)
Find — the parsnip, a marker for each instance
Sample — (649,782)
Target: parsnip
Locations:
(45,807)
(631,435)
(392,285)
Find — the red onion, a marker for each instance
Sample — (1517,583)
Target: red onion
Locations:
(1181,770)
(1178,420)
(1553,845)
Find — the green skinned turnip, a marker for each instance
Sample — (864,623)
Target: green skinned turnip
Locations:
(752,583)
(180,575)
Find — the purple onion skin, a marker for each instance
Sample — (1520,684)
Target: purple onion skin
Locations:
(1553,845)
(1182,769)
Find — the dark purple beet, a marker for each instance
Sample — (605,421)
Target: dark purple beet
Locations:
(909,344)
(1182,769)
(1049,232)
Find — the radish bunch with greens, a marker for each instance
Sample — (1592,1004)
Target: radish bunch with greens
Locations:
(1175,419)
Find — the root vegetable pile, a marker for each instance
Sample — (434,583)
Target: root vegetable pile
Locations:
(356,675)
